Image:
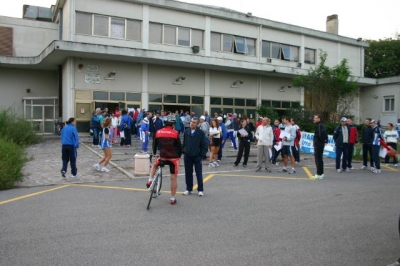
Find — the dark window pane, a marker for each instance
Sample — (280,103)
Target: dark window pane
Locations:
(251,113)
(239,102)
(239,112)
(133,97)
(169,98)
(266,103)
(250,102)
(266,50)
(295,104)
(197,100)
(155,107)
(228,101)
(183,99)
(276,104)
(215,100)
(156,98)
(285,104)
(228,110)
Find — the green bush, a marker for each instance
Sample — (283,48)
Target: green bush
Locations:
(16,129)
(12,159)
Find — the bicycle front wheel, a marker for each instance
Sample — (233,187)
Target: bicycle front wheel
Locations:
(153,191)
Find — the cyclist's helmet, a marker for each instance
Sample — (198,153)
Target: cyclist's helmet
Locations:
(170,120)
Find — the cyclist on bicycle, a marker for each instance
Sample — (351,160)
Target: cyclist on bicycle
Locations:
(168,142)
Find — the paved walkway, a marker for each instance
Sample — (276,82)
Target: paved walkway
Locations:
(45,163)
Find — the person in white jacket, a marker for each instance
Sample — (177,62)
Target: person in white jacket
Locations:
(265,138)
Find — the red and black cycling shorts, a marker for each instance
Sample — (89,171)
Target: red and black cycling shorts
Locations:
(172,162)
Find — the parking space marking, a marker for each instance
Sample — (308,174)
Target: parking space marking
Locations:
(268,177)
(390,168)
(204,180)
(33,194)
(310,176)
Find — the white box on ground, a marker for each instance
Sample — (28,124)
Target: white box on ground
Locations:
(142,164)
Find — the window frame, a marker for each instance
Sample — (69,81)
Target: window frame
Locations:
(308,61)
(391,106)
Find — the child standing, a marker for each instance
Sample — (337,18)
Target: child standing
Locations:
(144,134)
(106,139)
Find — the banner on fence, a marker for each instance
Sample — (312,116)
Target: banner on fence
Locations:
(307,145)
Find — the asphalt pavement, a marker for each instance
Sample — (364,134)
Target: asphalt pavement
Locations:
(244,218)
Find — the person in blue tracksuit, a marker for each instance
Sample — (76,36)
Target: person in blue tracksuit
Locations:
(125,126)
(223,137)
(70,144)
(375,147)
(144,134)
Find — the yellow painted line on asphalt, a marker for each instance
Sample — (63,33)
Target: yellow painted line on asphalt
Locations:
(308,172)
(204,180)
(270,177)
(32,194)
(111,187)
(390,168)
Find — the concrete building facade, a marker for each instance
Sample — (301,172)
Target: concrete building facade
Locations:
(161,54)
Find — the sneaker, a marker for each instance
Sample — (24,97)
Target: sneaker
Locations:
(268,171)
(338,170)
(372,169)
(316,177)
(173,201)
(258,169)
(363,167)
(63,173)
(105,170)
(73,176)
(347,170)
(395,165)
(97,166)
(235,165)
(376,171)
(216,164)
(275,164)
(218,161)
(245,165)
(211,165)
(322,176)
(283,170)
(293,171)
(351,168)
(149,182)
(187,193)
(201,194)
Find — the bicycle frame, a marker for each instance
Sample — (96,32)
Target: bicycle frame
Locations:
(157,182)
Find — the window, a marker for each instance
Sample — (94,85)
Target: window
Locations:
(157,98)
(228,101)
(286,52)
(228,43)
(100,26)
(215,41)
(388,103)
(169,98)
(251,46)
(184,36)
(155,33)
(266,49)
(250,102)
(215,100)
(133,97)
(183,99)
(239,102)
(117,96)
(117,28)
(169,34)
(240,45)
(134,30)
(83,23)
(197,100)
(276,50)
(309,56)
(197,38)
(100,95)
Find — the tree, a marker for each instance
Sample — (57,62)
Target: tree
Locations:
(266,111)
(382,58)
(326,88)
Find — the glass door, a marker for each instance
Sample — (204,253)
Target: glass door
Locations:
(42,112)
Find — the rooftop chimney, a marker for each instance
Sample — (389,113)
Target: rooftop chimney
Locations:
(332,24)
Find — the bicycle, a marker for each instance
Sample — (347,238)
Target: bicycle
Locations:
(155,187)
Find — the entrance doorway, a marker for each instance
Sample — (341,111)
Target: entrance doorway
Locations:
(110,105)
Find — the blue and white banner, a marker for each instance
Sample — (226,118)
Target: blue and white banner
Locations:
(307,145)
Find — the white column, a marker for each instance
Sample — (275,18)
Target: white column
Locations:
(207,37)
(145,86)
(68,89)
(259,86)
(207,90)
(259,44)
(302,47)
(71,30)
(145,27)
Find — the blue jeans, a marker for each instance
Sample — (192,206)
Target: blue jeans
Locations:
(69,154)
(375,156)
(339,151)
(95,136)
(198,167)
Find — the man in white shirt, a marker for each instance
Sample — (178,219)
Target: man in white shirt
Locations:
(265,137)
(390,136)
(288,146)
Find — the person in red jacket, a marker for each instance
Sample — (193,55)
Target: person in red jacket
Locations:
(353,139)
(277,133)
(259,123)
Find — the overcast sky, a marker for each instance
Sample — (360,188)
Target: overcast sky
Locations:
(368,19)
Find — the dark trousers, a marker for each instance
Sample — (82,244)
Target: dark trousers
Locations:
(243,146)
(394,146)
(68,154)
(318,151)
(128,139)
(367,148)
(189,163)
(350,156)
(220,150)
(375,156)
(96,136)
(296,153)
(275,155)
(342,150)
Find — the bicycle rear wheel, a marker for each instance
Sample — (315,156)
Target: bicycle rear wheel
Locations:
(154,191)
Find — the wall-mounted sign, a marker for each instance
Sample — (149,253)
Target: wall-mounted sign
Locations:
(92,68)
(92,78)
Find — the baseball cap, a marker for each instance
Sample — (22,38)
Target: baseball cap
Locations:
(203,117)
(234,114)
(219,118)
(373,121)
(344,119)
